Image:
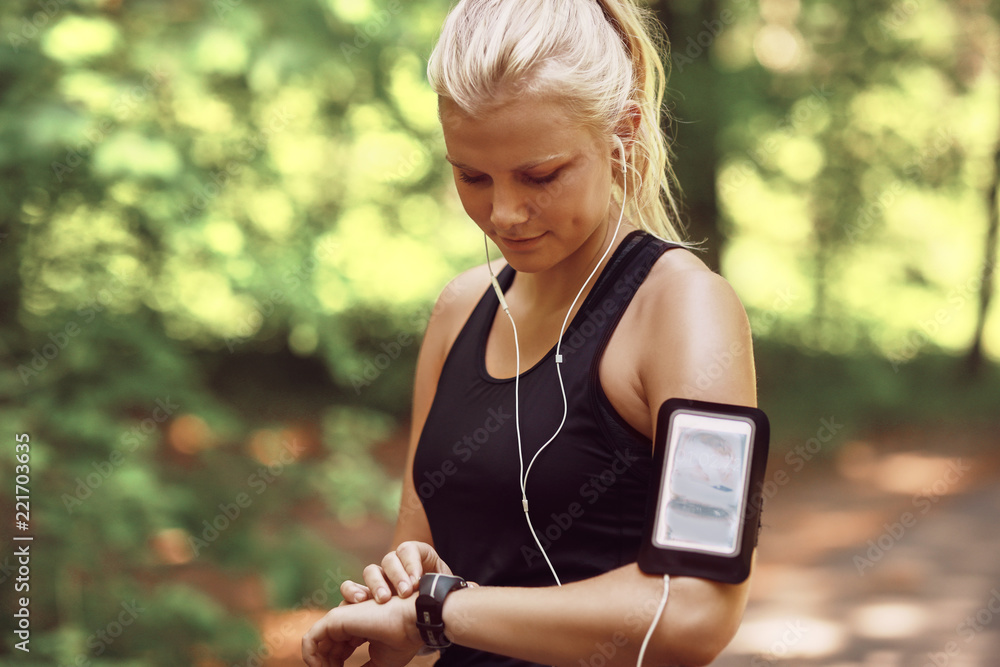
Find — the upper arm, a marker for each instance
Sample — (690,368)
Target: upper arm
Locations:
(450,312)
(698,346)
(696,338)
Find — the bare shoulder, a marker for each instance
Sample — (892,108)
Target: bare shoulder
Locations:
(454,305)
(681,288)
(694,315)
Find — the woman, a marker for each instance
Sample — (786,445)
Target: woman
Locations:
(550,111)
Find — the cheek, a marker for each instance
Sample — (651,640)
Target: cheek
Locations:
(475,203)
(587,196)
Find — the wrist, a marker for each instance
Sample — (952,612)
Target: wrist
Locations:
(410,619)
(456,615)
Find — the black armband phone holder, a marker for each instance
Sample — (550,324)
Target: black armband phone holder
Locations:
(704,506)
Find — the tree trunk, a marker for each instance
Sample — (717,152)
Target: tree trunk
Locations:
(692,92)
(974,358)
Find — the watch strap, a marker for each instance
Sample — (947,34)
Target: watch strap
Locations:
(434,588)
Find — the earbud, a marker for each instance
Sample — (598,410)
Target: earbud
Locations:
(621,149)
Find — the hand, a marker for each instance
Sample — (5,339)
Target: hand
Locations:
(399,574)
(390,630)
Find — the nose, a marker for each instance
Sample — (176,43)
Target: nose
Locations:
(509,207)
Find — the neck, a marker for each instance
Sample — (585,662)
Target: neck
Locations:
(553,290)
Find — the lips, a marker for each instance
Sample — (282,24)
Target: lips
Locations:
(520,242)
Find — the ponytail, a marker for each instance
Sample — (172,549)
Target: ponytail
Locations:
(653,181)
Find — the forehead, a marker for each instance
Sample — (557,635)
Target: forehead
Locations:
(513,132)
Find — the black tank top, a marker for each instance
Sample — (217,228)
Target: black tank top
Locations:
(587,490)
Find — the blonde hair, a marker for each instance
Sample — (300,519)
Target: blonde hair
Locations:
(598,56)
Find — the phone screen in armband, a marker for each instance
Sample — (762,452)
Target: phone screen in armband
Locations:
(704,508)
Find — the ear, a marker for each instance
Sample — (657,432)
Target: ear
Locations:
(628,125)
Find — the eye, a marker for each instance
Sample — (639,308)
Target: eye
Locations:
(465,178)
(542,180)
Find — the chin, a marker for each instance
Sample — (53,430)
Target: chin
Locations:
(523,264)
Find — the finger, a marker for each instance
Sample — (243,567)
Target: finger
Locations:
(314,651)
(420,557)
(396,572)
(314,648)
(322,645)
(412,558)
(329,654)
(354,592)
(379,586)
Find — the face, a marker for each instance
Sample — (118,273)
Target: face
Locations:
(537,184)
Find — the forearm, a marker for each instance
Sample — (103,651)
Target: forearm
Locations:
(607,615)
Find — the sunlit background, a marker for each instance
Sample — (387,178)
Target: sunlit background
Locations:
(223,227)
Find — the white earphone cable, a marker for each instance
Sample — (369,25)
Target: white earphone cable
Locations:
(522,473)
(562,329)
(656,620)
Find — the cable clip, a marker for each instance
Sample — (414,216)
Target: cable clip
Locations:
(496,288)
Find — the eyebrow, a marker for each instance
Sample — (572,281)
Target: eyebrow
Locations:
(531,164)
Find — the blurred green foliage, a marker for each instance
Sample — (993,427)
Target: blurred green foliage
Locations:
(223,225)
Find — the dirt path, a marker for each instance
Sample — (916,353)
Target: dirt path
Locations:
(886,555)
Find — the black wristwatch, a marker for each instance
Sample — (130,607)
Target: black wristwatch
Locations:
(434,588)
